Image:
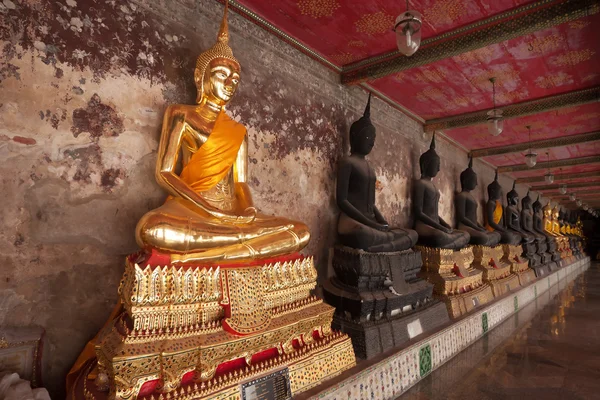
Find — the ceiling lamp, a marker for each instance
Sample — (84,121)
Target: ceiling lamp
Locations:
(549,177)
(586,207)
(578,202)
(530,157)
(408,31)
(562,188)
(495,122)
(572,196)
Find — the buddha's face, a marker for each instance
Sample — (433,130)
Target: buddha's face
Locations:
(433,167)
(513,200)
(364,141)
(220,81)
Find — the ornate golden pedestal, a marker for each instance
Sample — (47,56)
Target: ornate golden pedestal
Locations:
(198,332)
(518,265)
(496,269)
(454,279)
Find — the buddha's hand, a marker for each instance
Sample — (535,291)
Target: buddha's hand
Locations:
(448,230)
(383,227)
(248,216)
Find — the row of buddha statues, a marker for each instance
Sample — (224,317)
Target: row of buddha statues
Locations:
(375,286)
(219,293)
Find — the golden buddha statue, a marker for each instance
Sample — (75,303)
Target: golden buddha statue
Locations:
(548,227)
(555,223)
(209,215)
(220,294)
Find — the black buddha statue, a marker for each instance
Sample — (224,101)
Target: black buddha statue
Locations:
(494,213)
(361,225)
(432,229)
(513,220)
(466,211)
(527,219)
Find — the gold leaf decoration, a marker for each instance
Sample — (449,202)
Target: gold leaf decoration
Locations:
(375,24)
(318,8)
(357,43)
(444,12)
(572,57)
(344,58)
(555,80)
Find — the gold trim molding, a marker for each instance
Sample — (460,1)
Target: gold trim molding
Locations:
(539,144)
(552,164)
(558,177)
(563,100)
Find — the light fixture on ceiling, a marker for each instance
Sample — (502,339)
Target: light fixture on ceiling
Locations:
(495,122)
(562,188)
(578,202)
(408,31)
(530,157)
(572,196)
(586,207)
(549,177)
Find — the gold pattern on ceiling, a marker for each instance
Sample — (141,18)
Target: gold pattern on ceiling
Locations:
(345,58)
(578,24)
(572,57)
(431,93)
(585,117)
(545,44)
(444,12)
(502,73)
(550,81)
(483,55)
(318,8)
(356,43)
(430,75)
(375,24)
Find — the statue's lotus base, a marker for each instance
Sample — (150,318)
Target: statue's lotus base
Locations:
(379,299)
(211,325)
(496,269)
(455,281)
(307,367)
(518,264)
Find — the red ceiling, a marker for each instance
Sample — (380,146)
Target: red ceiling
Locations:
(557,60)
(344,31)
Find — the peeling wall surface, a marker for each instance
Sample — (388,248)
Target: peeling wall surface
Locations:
(83,87)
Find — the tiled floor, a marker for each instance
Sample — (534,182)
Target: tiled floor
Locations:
(542,352)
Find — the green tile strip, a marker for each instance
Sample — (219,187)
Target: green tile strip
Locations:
(516,303)
(484,322)
(425,360)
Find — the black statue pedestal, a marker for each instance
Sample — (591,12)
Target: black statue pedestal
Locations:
(530,251)
(379,299)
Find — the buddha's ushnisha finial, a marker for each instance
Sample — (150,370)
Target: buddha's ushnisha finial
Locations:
(538,199)
(367,113)
(471,162)
(223,35)
(528,190)
(514,185)
(432,145)
(496,176)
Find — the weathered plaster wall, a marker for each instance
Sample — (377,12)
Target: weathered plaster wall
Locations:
(83,86)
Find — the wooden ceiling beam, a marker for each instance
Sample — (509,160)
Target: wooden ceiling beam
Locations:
(508,25)
(578,185)
(552,164)
(531,107)
(538,144)
(559,177)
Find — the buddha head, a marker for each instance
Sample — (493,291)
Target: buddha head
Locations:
(468,178)
(537,206)
(548,210)
(217,72)
(362,133)
(430,161)
(526,202)
(555,213)
(494,189)
(512,197)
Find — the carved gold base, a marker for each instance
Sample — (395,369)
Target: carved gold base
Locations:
(526,277)
(192,322)
(454,279)
(496,269)
(307,367)
(518,265)
(460,304)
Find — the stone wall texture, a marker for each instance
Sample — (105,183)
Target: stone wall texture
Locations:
(83,86)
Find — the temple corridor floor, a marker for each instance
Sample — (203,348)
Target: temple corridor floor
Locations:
(549,350)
